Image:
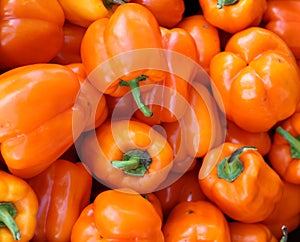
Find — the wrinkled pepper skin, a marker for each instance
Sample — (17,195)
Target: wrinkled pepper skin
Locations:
(284,156)
(37,110)
(31,32)
(248,76)
(282,18)
(240,182)
(196,221)
(243,232)
(233,16)
(18,193)
(138,219)
(127,154)
(62,196)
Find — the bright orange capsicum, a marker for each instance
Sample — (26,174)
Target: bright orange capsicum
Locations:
(240,182)
(31,32)
(37,101)
(284,156)
(282,18)
(233,16)
(118,216)
(127,154)
(103,40)
(249,78)
(18,209)
(62,197)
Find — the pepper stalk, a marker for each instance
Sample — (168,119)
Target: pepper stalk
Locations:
(7,214)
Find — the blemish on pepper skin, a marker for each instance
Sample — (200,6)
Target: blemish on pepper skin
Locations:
(190,211)
(205,26)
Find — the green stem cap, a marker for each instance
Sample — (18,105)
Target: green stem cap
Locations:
(109,3)
(284,237)
(231,167)
(294,142)
(222,3)
(7,214)
(136,93)
(135,162)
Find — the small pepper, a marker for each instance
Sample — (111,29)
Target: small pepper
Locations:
(18,209)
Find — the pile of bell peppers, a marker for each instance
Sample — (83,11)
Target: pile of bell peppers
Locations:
(151,121)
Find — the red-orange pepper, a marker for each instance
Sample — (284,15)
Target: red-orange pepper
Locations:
(31,32)
(63,190)
(18,209)
(240,182)
(196,221)
(233,16)
(282,18)
(249,78)
(118,216)
(127,154)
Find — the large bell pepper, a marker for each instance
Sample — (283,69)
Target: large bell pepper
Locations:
(240,182)
(257,78)
(196,221)
(63,190)
(233,16)
(31,32)
(282,17)
(36,106)
(18,209)
(107,38)
(127,154)
(118,216)
(284,156)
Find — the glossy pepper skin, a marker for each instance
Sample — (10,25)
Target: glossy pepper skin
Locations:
(127,154)
(240,182)
(168,15)
(248,76)
(18,209)
(205,35)
(36,129)
(282,18)
(31,32)
(233,16)
(196,221)
(243,232)
(63,190)
(284,156)
(138,219)
(103,40)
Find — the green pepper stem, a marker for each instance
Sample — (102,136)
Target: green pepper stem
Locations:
(222,3)
(289,138)
(7,214)
(284,237)
(109,3)
(136,93)
(231,167)
(135,162)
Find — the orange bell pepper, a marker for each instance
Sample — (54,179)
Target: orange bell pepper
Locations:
(167,15)
(18,209)
(31,32)
(248,77)
(287,211)
(205,35)
(62,197)
(70,51)
(37,101)
(104,42)
(261,140)
(284,156)
(127,154)
(233,16)
(243,232)
(185,189)
(118,216)
(196,221)
(169,97)
(282,18)
(240,182)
